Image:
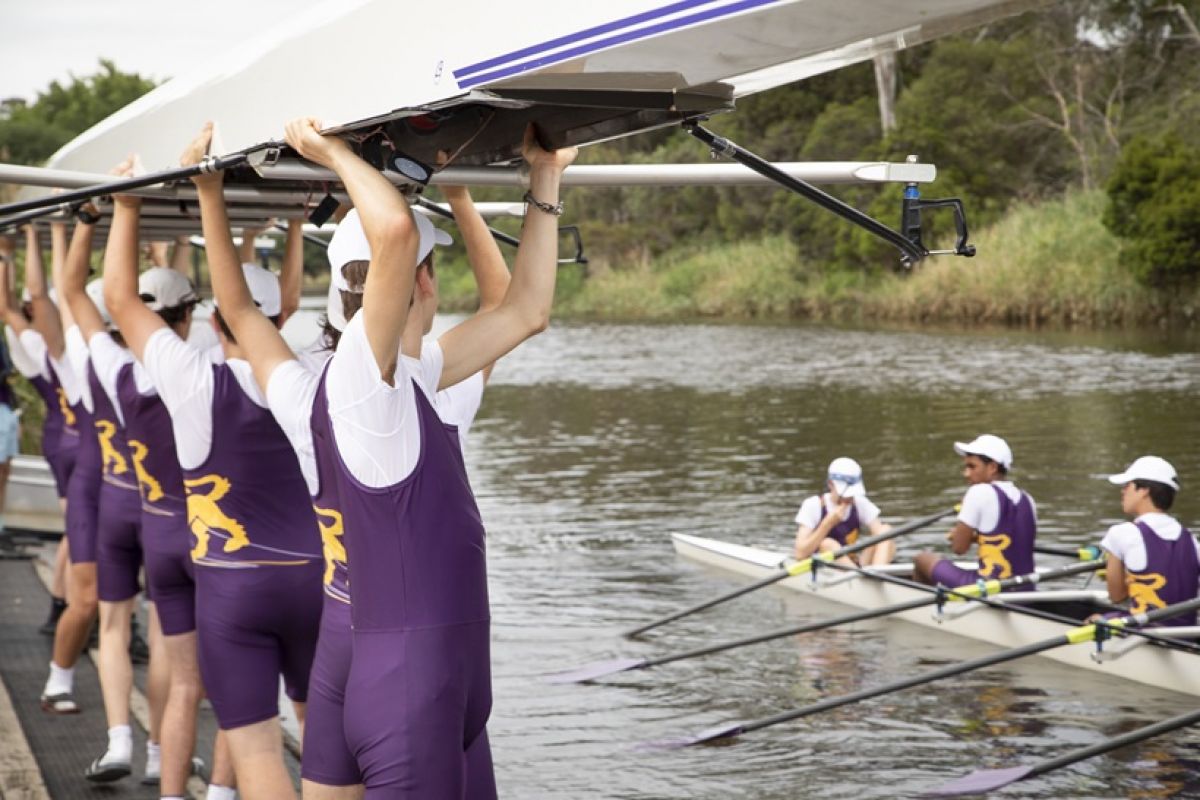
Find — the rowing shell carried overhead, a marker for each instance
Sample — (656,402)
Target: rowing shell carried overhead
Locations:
(1132,659)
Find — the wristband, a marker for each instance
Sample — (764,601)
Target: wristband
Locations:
(554,210)
(86,217)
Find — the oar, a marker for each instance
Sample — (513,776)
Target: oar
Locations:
(599,669)
(1089,553)
(1083,633)
(796,568)
(65,200)
(987,780)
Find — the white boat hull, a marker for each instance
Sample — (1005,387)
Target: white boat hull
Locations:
(1160,667)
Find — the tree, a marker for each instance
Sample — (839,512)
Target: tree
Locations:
(30,133)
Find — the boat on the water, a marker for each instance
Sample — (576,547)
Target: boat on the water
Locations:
(1132,658)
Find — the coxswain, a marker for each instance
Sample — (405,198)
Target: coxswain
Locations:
(832,520)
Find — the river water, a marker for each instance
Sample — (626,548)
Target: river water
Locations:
(596,441)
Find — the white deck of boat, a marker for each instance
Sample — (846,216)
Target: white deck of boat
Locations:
(1151,665)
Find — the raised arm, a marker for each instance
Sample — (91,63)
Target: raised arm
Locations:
(8,299)
(525,310)
(181,256)
(132,317)
(390,231)
(483,253)
(72,281)
(258,337)
(292,275)
(46,319)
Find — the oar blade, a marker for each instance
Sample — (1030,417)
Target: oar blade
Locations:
(726,731)
(597,669)
(979,782)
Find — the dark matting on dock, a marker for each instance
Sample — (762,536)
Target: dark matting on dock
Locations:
(65,745)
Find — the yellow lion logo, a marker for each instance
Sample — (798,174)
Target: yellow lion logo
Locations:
(65,407)
(1143,590)
(151,489)
(852,536)
(205,516)
(114,462)
(330,523)
(991,555)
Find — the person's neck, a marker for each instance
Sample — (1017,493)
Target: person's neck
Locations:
(1146,507)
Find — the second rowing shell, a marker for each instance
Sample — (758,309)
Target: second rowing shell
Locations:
(1131,658)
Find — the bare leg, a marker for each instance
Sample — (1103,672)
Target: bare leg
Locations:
(301,710)
(116,672)
(76,621)
(222,768)
(179,716)
(58,584)
(158,674)
(879,555)
(319,791)
(923,566)
(258,761)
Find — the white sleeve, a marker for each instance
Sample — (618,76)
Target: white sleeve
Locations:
(291,391)
(108,358)
(35,347)
(458,404)
(183,377)
(809,514)
(72,371)
(21,359)
(1125,542)
(980,508)
(375,426)
(868,512)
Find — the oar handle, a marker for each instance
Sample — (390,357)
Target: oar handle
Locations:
(899,530)
(1088,553)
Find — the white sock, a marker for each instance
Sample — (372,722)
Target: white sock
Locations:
(61,680)
(172,797)
(120,744)
(153,758)
(216,792)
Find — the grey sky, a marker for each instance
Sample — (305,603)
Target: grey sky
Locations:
(45,40)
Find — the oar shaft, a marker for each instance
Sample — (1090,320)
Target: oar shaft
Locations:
(794,630)
(899,530)
(774,577)
(213,164)
(907,683)
(1124,740)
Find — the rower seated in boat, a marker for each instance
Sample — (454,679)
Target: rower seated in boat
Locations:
(999,518)
(1153,561)
(828,522)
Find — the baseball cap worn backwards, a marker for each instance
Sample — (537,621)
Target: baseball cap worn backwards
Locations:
(1148,468)
(160,287)
(989,446)
(349,243)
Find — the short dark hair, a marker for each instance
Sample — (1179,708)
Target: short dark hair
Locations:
(224,326)
(1003,470)
(174,315)
(1161,495)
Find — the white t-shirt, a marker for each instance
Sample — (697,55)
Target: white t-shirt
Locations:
(73,374)
(1125,540)
(23,359)
(809,514)
(183,376)
(369,417)
(108,359)
(981,508)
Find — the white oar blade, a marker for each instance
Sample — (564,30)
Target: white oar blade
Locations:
(597,669)
(979,781)
(709,735)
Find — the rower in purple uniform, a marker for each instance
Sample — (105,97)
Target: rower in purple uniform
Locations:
(119,526)
(1153,561)
(60,434)
(997,516)
(407,512)
(256,548)
(835,519)
(162,298)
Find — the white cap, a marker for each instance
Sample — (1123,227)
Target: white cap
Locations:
(333,309)
(349,243)
(95,290)
(989,446)
(264,289)
(161,287)
(846,476)
(1148,468)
